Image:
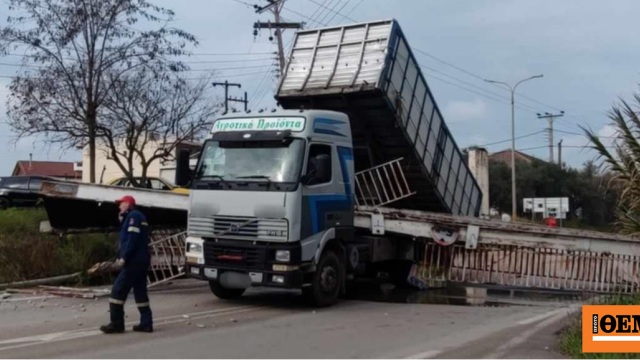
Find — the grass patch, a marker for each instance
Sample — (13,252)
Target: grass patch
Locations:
(570,342)
(27,254)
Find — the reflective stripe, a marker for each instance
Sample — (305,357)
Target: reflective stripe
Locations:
(142,304)
(116,301)
(133,229)
(144,223)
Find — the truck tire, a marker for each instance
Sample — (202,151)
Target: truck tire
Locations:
(327,281)
(224,293)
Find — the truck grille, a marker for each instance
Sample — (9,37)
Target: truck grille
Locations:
(239,228)
(234,256)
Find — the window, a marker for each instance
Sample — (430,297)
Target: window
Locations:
(15,182)
(314,151)
(158,185)
(232,160)
(120,182)
(35,184)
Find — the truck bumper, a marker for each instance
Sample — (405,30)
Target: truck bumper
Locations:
(255,260)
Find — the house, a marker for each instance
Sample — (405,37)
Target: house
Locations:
(505,157)
(108,170)
(66,170)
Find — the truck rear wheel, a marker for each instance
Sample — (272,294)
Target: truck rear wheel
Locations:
(327,281)
(224,293)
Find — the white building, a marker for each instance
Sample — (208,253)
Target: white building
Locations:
(108,170)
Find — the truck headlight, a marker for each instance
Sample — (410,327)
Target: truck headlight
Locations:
(193,247)
(283,255)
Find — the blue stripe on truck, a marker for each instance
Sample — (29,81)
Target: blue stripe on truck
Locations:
(323,203)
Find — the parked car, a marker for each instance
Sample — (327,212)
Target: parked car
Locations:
(20,191)
(152,182)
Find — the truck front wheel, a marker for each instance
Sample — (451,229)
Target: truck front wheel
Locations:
(224,293)
(327,281)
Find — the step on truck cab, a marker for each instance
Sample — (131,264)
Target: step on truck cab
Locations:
(272,204)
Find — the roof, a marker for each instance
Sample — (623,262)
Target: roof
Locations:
(46,168)
(505,156)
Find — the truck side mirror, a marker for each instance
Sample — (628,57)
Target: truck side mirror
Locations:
(183,172)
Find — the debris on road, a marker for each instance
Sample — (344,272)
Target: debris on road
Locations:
(201,326)
(186,316)
(62,291)
(5,296)
(51,280)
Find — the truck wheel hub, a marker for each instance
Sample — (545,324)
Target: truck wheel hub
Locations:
(328,279)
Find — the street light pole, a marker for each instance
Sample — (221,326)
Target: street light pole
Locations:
(513,140)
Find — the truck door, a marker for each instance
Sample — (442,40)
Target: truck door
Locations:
(324,202)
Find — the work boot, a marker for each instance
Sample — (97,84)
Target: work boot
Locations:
(140,328)
(111,329)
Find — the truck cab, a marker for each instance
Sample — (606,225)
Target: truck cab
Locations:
(272,204)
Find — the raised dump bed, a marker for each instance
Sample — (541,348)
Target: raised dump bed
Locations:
(368,71)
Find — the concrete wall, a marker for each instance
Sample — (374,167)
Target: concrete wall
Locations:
(479,166)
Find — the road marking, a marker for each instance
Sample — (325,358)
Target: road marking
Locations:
(159,322)
(540,317)
(425,355)
(513,342)
(551,315)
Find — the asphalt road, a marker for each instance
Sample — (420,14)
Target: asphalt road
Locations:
(191,323)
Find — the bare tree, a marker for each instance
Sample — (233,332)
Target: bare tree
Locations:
(69,47)
(149,114)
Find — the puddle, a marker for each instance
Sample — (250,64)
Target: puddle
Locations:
(456,295)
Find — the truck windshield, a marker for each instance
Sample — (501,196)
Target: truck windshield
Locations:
(245,160)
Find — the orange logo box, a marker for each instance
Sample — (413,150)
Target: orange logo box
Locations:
(610,329)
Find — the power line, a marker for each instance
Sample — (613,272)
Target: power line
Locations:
(563,146)
(194,78)
(353,8)
(575,133)
(507,140)
(331,10)
(191,54)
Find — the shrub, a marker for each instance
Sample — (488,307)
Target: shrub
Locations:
(26,254)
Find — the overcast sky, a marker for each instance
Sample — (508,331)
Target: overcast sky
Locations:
(585,49)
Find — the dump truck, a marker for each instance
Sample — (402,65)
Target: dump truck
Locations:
(356,176)
(274,195)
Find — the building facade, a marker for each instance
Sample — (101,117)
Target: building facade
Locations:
(107,169)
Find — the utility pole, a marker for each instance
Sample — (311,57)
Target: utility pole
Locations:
(245,101)
(550,117)
(275,6)
(512,89)
(560,153)
(226,85)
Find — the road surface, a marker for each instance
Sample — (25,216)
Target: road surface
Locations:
(191,323)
